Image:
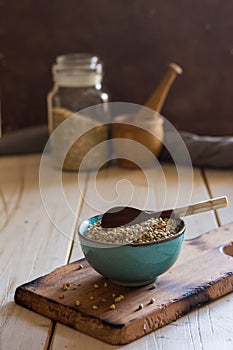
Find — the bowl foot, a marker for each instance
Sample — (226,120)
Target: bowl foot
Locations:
(134,284)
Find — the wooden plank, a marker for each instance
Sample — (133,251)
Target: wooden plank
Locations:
(213,323)
(106,185)
(218,319)
(69,338)
(220,182)
(178,292)
(198,325)
(30,245)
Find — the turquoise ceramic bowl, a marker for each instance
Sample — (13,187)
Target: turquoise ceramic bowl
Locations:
(131,264)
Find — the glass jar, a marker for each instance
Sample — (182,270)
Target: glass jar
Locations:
(77,86)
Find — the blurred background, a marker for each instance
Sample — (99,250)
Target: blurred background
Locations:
(135,39)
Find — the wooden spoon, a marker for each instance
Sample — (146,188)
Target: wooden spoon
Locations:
(120,216)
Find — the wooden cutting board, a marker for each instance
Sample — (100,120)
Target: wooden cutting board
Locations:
(203,273)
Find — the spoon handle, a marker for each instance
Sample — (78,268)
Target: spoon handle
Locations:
(201,207)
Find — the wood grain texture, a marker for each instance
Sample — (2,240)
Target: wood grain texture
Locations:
(220,182)
(178,292)
(30,245)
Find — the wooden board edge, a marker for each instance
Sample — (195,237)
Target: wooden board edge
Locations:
(177,308)
(68,316)
(135,329)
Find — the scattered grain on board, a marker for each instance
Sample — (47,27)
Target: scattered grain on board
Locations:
(140,306)
(152,301)
(66,286)
(119,298)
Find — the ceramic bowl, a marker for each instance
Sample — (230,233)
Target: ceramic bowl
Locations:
(131,264)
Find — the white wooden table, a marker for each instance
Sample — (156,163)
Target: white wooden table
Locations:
(31,245)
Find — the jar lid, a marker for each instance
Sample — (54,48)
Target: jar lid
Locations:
(77,70)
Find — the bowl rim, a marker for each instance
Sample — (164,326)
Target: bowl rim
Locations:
(178,234)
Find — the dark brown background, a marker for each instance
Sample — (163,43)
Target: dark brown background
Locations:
(136,39)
